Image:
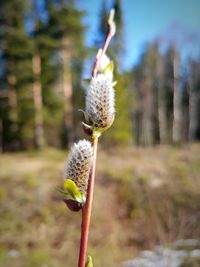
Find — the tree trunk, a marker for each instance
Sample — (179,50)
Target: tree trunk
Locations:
(1,135)
(147,116)
(13,114)
(67,90)
(194,101)
(193,114)
(12,100)
(162,112)
(37,100)
(176,131)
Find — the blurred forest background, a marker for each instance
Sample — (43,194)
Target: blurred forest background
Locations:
(149,160)
(42,55)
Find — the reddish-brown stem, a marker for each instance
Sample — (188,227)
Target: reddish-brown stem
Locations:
(98,58)
(86,211)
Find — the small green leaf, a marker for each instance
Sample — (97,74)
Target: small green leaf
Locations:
(73,191)
(84,113)
(114,83)
(108,70)
(63,193)
(96,133)
(89,262)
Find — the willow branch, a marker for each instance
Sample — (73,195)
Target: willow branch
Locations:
(86,211)
(101,52)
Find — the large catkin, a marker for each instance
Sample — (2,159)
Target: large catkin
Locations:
(78,165)
(100,108)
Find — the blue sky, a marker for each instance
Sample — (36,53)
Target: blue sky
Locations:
(144,20)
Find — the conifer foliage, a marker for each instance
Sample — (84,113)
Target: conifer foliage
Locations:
(40,46)
(42,58)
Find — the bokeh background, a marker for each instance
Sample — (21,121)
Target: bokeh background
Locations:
(147,201)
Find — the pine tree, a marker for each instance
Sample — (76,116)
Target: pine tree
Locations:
(177,99)
(147,86)
(168,81)
(161,98)
(117,46)
(65,25)
(185,108)
(103,23)
(46,67)
(37,85)
(15,54)
(194,100)
(47,45)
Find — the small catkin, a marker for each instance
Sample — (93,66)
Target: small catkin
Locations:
(100,108)
(78,165)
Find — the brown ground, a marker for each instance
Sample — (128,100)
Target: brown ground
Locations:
(143,197)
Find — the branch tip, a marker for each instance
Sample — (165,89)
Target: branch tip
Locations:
(111,22)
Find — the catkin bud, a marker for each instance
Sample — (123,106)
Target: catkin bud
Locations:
(103,63)
(78,165)
(100,102)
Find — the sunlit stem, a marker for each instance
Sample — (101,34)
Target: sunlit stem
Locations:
(86,211)
(110,34)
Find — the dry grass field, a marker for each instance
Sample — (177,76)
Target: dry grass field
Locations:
(143,197)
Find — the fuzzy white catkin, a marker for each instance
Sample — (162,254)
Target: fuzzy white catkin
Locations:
(79,163)
(100,107)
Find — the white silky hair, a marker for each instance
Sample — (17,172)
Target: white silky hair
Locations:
(100,104)
(78,165)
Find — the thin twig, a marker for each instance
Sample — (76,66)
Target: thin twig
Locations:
(110,34)
(86,211)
